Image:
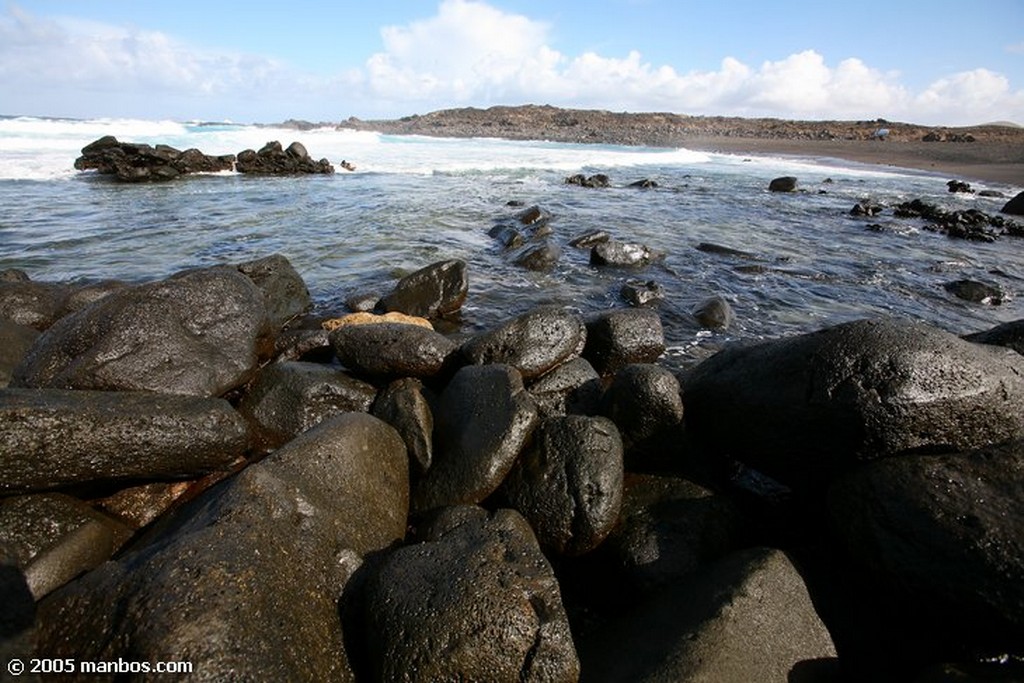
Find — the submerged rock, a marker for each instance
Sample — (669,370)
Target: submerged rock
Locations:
(977,292)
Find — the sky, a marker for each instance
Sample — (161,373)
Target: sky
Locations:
(934,62)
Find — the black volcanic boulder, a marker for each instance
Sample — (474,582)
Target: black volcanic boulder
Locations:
(807,405)
(405,405)
(244,583)
(40,304)
(974,291)
(748,617)
(619,337)
(573,387)
(483,421)
(1010,335)
(56,537)
(568,485)
(289,397)
(783,184)
(53,437)
(540,257)
(436,290)
(644,402)
(532,343)
(283,289)
(272,159)
(15,342)
(196,333)
(393,349)
(1015,206)
(946,531)
(474,600)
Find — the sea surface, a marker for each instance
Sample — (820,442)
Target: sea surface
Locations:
(416,200)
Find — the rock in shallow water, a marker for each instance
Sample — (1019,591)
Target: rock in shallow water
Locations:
(436,290)
(474,601)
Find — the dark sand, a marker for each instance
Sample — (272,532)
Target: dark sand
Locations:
(991,162)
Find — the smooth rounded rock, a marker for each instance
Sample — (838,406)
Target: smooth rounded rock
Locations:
(623,336)
(573,387)
(55,437)
(783,184)
(714,313)
(436,290)
(484,419)
(245,582)
(393,349)
(403,404)
(799,408)
(284,291)
(474,601)
(568,486)
(644,402)
(288,398)
(946,530)
(532,343)
(195,333)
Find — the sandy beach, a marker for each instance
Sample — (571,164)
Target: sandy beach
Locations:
(991,153)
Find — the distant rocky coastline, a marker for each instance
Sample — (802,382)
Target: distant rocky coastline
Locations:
(533,122)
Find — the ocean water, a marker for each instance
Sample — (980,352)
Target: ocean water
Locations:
(415,200)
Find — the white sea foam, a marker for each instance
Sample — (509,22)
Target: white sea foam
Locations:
(42,148)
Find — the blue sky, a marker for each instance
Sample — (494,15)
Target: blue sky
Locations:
(933,62)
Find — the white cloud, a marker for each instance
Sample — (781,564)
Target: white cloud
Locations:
(468,53)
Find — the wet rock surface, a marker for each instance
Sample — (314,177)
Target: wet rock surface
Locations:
(670,526)
(532,343)
(195,333)
(393,350)
(55,437)
(473,600)
(288,398)
(862,390)
(568,486)
(484,419)
(245,582)
(435,290)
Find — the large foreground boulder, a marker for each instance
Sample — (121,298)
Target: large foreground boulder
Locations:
(195,333)
(15,342)
(619,337)
(474,601)
(806,405)
(393,350)
(747,617)
(55,437)
(946,531)
(245,583)
(284,291)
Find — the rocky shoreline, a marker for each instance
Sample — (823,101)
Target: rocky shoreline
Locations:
(990,152)
(198,469)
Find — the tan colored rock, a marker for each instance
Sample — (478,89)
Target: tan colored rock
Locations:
(364,318)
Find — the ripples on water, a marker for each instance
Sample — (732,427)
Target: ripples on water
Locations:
(812,264)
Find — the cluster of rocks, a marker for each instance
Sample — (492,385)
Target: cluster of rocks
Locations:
(197,469)
(133,162)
